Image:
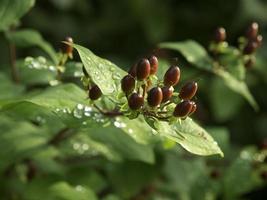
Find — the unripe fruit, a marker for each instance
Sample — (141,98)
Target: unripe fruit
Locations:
(127,84)
(194,108)
(252,30)
(167,93)
(132,70)
(66,48)
(188,91)
(154,96)
(220,35)
(183,109)
(143,69)
(250,48)
(135,101)
(172,76)
(153,65)
(95,93)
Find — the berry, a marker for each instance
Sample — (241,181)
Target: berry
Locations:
(183,109)
(154,96)
(220,35)
(143,69)
(95,93)
(250,48)
(153,65)
(132,70)
(167,93)
(188,90)
(172,76)
(127,84)
(252,30)
(135,101)
(66,48)
(194,108)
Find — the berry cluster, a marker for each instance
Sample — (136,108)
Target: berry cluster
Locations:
(248,43)
(152,98)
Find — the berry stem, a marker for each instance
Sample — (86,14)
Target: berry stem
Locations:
(113,113)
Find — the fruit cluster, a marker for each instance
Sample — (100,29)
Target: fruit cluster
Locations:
(152,98)
(248,44)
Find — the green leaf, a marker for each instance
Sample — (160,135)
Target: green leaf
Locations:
(11,11)
(237,86)
(193,52)
(190,136)
(30,38)
(64,191)
(102,72)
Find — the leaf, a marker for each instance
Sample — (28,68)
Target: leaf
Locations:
(62,190)
(102,72)
(237,86)
(193,52)
(30,38)
(190,136)
(11,11)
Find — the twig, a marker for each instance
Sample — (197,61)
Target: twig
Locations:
(13,58)
(60,136)
(113,113)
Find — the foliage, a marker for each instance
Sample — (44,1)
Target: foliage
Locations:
(58,144)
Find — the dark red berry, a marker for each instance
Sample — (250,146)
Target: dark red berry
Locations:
(95,92)
(154,96)
(132,70)
(188,91)
(143,69)
(153,65)
(135,101)
(220,35)
(172,76)
(252,30)
(215,174)
(250,47)
(167,93)
(183,109)
(194,108)
(127,84)
(66,48)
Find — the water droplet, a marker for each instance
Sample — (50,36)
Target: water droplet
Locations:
(76,146)
(130,130)
(85,147)
(112,69)
(84,123)
(78,74)
(54,82)
(80,106)
(52,68)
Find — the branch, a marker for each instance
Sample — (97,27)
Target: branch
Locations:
(113,113)
(60,136)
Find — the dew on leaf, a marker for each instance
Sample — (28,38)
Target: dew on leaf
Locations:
(116,76)
(53,82)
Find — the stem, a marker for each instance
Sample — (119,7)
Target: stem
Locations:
(113,113)
(13,58)
(60,136)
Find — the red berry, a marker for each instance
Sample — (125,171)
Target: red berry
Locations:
(183,109)
(135,101)
(250,47)
(66,48)
(167,93)
(127,84)
(172,76)
(132,70)
(194,108)
(154,96)
(95,92)
(188,90)
(220,35)
(252,30)
(143,69)
(153,65)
